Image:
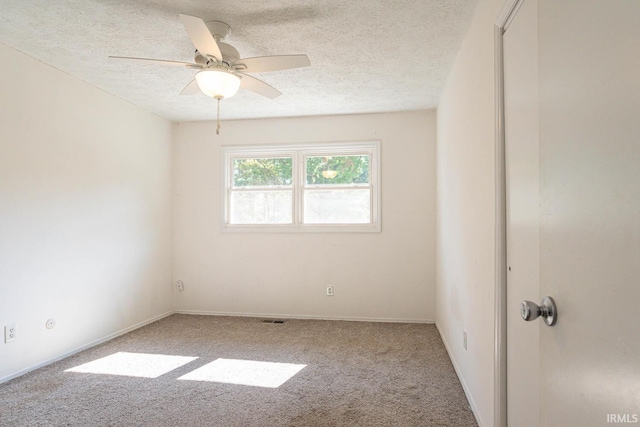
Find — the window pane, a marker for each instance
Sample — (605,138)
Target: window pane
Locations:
(262,172)
(261,207)
(349,206)
(338,170)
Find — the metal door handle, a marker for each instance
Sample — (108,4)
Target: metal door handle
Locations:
(547,309)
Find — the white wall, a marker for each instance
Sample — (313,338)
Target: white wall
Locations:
(85,213)
(384,276)
(465,201)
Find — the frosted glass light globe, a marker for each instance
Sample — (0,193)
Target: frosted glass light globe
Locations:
(218,83)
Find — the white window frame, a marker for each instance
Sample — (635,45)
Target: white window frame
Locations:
(299,152)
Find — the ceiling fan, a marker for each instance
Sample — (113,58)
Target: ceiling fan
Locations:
(222,71)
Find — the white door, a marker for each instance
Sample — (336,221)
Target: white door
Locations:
(590,210)
(520,43)
(588,94)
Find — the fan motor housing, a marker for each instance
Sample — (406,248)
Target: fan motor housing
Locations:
(229,55)
(219,30)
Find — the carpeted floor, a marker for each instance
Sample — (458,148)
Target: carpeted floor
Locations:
(356,374)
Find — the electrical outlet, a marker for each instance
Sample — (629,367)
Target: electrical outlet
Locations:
(329,291)
(180,285)
(464,339)
(10,332)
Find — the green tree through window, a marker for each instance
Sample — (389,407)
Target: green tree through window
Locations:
(262,172)
(348,170)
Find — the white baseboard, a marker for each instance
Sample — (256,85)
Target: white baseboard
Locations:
(84,347)
(461,378)
(304,316)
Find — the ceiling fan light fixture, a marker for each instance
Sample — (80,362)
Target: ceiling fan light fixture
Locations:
(218,83)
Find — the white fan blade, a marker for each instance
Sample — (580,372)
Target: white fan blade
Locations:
(258,86)
(160,61)
(201,37)
(261,64)
(191,89)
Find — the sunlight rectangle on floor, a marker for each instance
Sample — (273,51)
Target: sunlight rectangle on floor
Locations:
(245,372)
(133,364)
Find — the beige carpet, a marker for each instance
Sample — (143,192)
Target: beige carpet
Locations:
(356,374)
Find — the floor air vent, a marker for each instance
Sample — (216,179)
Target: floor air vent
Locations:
(272,321)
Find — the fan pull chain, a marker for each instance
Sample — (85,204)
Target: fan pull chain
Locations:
(218,123)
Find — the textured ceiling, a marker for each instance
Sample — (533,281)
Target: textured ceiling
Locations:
(366,55)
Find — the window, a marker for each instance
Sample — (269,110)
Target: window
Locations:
(327,187)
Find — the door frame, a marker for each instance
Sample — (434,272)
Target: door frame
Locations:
(508,13)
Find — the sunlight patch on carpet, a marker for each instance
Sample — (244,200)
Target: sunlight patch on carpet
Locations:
(245,372)
(133,365)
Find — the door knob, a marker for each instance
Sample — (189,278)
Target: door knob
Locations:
(547,309)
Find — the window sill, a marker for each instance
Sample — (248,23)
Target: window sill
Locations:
(307,228)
